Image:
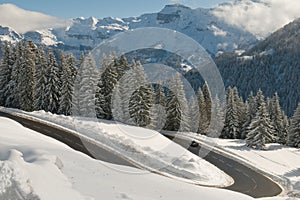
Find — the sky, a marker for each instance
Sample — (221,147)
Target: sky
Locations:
(103,8)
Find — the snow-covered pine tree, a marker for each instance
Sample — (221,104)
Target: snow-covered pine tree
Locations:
(116,104)
(208,106)
(72,63)
(241,112)
(53,83)
(26,82)
(158,110)
(294,129)
(140,104)
(65,101)
(121,66)
(231,126)
(251,109)
(194,115)
(217,121)
(173,110)
(5,73)
(85,88)
(12,96)
(177,109)
(104,91)
(202,112)
(41,78)
(75,110)
(261,131)
(260,99)
(128,85)
(278,120)
(142,98)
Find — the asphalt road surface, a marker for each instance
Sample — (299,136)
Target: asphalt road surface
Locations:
(247,181)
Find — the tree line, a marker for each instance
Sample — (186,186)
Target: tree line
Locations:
(32,78)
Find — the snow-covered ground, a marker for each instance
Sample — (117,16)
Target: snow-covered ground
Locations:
(145,147)
(279,162)
(34,166)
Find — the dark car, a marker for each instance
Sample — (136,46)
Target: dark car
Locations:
(194,144)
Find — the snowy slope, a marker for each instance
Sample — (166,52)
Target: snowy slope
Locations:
(145,147)
(34,166)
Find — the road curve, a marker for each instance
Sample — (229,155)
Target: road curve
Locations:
(76,142)
(246,180)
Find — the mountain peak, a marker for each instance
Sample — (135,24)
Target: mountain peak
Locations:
(172,8)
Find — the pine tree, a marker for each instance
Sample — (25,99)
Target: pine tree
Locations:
(294,130)
(177,109)
(12,96)
(72,63)
(85,88)
(128,84)
(104,90)
(173,112)
(278,120)
(116,104)
(218,118)
(65,101)
(202,112)
(231,127)
(53,84)
(194,115)
(260,130)
(140,104)
(40,99)
(250,114)
(158,110)
(208,106)
(5,73)
(26,82)
(141,100)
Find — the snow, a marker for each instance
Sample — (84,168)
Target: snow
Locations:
(217,31)
(200,24)
(267,52)
(278,161)
(47,37)
(145,147)
(39,167)
(245,58)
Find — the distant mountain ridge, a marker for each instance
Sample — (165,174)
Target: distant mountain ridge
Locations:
(202,25)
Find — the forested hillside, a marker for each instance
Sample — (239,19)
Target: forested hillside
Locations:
(272,65)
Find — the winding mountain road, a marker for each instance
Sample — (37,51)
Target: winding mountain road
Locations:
(247,181)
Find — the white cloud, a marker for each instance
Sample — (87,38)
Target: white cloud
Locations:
(23,21)
(260,17)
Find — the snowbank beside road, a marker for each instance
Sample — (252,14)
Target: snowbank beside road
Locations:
(35,167)
(145,147)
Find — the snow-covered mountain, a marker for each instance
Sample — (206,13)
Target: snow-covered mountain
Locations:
(7,34)
(212,32)
(230,26)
